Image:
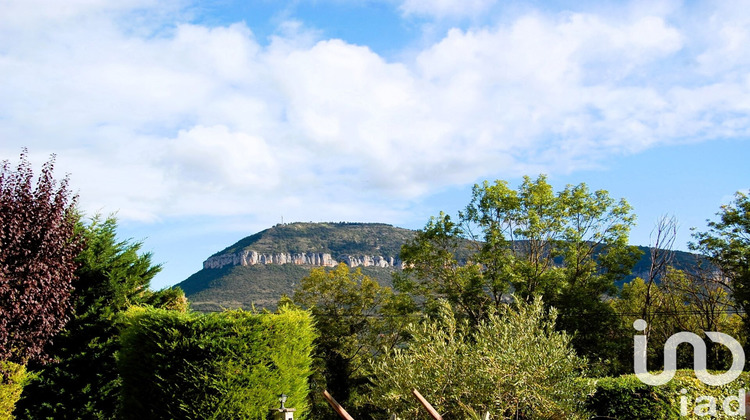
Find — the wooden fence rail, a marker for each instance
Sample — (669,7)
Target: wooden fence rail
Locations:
(336,406)
(435,415)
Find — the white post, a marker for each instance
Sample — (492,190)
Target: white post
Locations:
(283,413)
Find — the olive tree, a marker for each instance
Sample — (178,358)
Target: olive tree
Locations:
(513,364)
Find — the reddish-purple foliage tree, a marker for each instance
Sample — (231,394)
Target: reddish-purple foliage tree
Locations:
(38,247)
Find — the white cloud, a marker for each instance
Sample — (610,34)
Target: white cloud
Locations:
(184,119)
(220,159)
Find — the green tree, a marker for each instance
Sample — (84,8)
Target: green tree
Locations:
(703,304)
(569,247)
(726,244)
(667,314)
(356,318)
(83,381)
(12,379)
(513,364)
(438,265)
(519,231)
(681,301)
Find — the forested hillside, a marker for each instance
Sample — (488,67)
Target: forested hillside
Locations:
(261,285)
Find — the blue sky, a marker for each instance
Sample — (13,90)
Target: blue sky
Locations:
(200,123)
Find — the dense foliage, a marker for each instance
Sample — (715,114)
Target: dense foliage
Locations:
(225,365)
(38,246)
(626,397)
(569,247)
(82,380)
(727,245)
(681,302)
(513,364)
(504,309)
(12,379)
(355,318)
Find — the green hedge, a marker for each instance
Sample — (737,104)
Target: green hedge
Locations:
(627,398)
(12,379)
(228,365)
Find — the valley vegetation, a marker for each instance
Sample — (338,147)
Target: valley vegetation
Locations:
(510,307)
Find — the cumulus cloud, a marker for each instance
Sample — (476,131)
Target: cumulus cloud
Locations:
(181,119)
(218,158)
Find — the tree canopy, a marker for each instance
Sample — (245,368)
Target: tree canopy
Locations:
(38,247)
(83,381)
(569,247)
(356,319)
(727,246)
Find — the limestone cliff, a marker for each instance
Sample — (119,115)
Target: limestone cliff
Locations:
(316,259)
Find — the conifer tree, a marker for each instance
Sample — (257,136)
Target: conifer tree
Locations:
(83,380)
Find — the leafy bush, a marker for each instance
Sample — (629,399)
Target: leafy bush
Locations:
(514,365)
(12,379)
(229,365)
(626,397)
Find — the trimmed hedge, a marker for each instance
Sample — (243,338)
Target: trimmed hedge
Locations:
(228,365)
(627,398)
(12,379)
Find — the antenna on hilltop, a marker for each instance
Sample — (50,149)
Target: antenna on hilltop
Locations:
(282,219)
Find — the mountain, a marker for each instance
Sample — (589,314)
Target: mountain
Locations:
(257,270)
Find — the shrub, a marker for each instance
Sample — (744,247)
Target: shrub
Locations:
(12,379)
(514,365)
(229,365)
(626,397)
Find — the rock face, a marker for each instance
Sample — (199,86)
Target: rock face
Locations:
(248,257)
(371,261)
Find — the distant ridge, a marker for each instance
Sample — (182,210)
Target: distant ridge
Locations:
(334,238)
(317,244)
(256,270)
